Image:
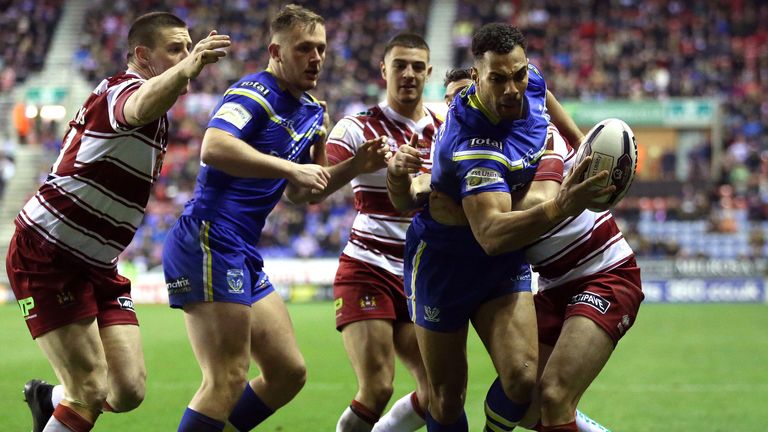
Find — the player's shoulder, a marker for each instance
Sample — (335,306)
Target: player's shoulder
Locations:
(258,84)
(535,77)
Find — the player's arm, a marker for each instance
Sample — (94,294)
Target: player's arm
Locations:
(563,121)
(499,229)
(158,94)
(229,154)
(406,192)
(348,160)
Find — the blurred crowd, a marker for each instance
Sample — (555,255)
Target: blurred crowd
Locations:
(27,27)
(590,50)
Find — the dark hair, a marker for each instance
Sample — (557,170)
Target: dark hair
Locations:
(497,37)
(292,15)
(457,74)
(145,30)
(406,40)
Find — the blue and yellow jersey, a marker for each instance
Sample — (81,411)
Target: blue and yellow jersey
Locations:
(257,111)
(476,152)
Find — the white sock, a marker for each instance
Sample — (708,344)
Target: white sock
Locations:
(350,422)
(586,424)
(402,417)
(57,394)
(54,425)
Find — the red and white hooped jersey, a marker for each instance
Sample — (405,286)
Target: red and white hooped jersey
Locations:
(579,246)
(378,233)
(95,196)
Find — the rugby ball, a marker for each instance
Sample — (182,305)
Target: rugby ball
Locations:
(612,145)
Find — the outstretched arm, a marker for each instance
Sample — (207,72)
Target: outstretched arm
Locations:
(156,96)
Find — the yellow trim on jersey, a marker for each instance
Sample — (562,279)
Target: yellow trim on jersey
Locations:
(271,113)
(477,103)
(499,419)
(416,263)
(205,230)
(512,166)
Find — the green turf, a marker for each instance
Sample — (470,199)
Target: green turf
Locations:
(682,368)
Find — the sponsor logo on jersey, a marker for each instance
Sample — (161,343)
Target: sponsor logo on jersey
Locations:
(338,131)
(368,302)
(478,177)
(486,142)
(338,303)
(591,299)
(26,305)
(261,88)
(179,286)
(431,314)
(235,281)
(234,114)
(126,303)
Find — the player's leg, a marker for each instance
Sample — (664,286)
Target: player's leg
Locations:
(580,353)
(77,357)
(599,311)
(445,360)
(283,371)
(220,338)
(127,374)
(507,327)
(370,349)
(407,413)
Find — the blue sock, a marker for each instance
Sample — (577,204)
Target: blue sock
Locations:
(501,412)
(193,421)
(249,411)
(460,425)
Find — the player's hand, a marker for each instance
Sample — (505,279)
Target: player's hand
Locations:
(371,156)
(574,197)
(407,160)
(311,176)
(326,119)
(207,51)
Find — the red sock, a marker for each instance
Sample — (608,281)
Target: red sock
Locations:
(107,407)
(363,412)
(568,427)
(71,419)
(417,406)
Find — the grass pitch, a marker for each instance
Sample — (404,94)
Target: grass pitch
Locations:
(681,368)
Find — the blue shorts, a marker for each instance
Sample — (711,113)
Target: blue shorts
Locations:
(204,262)
(445,289)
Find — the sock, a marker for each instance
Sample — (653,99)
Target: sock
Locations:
(356,418)
(57,394)
(249,411)
(405,415)
(65,419)
(193,421)
(460,425)
(586,424)
(107,407)
(501,413)
(568,427)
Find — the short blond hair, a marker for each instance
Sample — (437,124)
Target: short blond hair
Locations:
(294,15)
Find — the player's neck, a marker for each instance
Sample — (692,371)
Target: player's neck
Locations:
(141,71)
(414,111)
(284,84)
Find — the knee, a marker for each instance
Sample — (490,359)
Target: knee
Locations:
(379,390)
(519,383)
(128,397)
(225,383)
(554,393)
(291,378)
(446,406)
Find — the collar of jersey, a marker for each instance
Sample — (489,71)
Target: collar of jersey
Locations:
(311,100)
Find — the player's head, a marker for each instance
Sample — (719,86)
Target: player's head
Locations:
(156,42)
(297,47)
(455,81)
(500,69)
(406,68)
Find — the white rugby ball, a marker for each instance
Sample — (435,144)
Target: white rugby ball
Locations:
(613,148)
